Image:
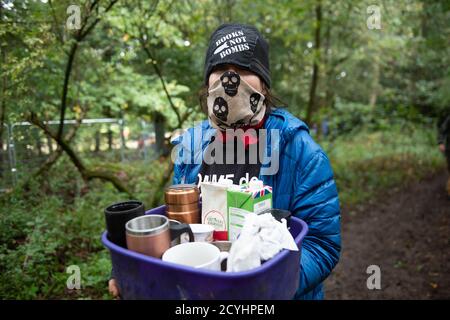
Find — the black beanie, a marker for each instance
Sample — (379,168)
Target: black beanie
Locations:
(240,45)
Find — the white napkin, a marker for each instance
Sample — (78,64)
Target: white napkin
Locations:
(261,238)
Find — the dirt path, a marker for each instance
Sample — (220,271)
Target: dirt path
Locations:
(407,234)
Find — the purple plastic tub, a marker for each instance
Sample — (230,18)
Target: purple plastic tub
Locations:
(144,277)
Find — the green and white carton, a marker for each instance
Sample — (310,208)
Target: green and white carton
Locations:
(225,205)
(247,198)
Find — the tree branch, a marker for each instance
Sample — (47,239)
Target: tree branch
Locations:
(53,158)
(69,66)
(82,34)
(59,35)
(86,174)
(161,78)
(78,38)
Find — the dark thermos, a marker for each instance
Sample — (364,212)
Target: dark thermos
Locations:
(117,215)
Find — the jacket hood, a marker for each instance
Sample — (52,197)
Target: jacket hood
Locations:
(288,124)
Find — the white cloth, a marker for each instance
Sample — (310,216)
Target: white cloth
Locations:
(261,238)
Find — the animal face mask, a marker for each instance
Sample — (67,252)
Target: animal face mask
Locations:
(233,103)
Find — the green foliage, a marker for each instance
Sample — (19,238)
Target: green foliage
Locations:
(403,63)
(367,163)
(348,118)
(380,90)
(53,226)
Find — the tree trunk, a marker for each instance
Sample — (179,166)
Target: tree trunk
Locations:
(85,29)
(329,78)
(73,51)
(375,82)
(123,142)
(97,141)
(110,140)
(2,124)
(160,131)
(315,76)
(49,144)
(2,103)
(163,82)
(38,143)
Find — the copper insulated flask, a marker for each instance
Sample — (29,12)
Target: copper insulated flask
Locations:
(182,201)
(152,234)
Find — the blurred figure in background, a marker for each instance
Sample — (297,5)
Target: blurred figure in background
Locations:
(444,145)
(325,128)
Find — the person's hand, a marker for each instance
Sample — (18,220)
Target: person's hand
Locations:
(113,288)
(442,147)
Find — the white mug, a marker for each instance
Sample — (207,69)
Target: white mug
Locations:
(202,233)
(200,255)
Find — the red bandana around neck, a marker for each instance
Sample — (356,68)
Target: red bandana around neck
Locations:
(247,138)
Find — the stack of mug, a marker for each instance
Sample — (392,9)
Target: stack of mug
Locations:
(160,236)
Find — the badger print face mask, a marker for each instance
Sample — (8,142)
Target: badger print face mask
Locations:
(233,103)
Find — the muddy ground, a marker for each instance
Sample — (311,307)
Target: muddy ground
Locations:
(407,234)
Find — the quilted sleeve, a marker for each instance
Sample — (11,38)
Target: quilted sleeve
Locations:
(315,200)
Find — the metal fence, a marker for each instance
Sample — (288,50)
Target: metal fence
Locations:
(26,147)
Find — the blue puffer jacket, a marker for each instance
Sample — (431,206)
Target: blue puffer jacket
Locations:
(303,184)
